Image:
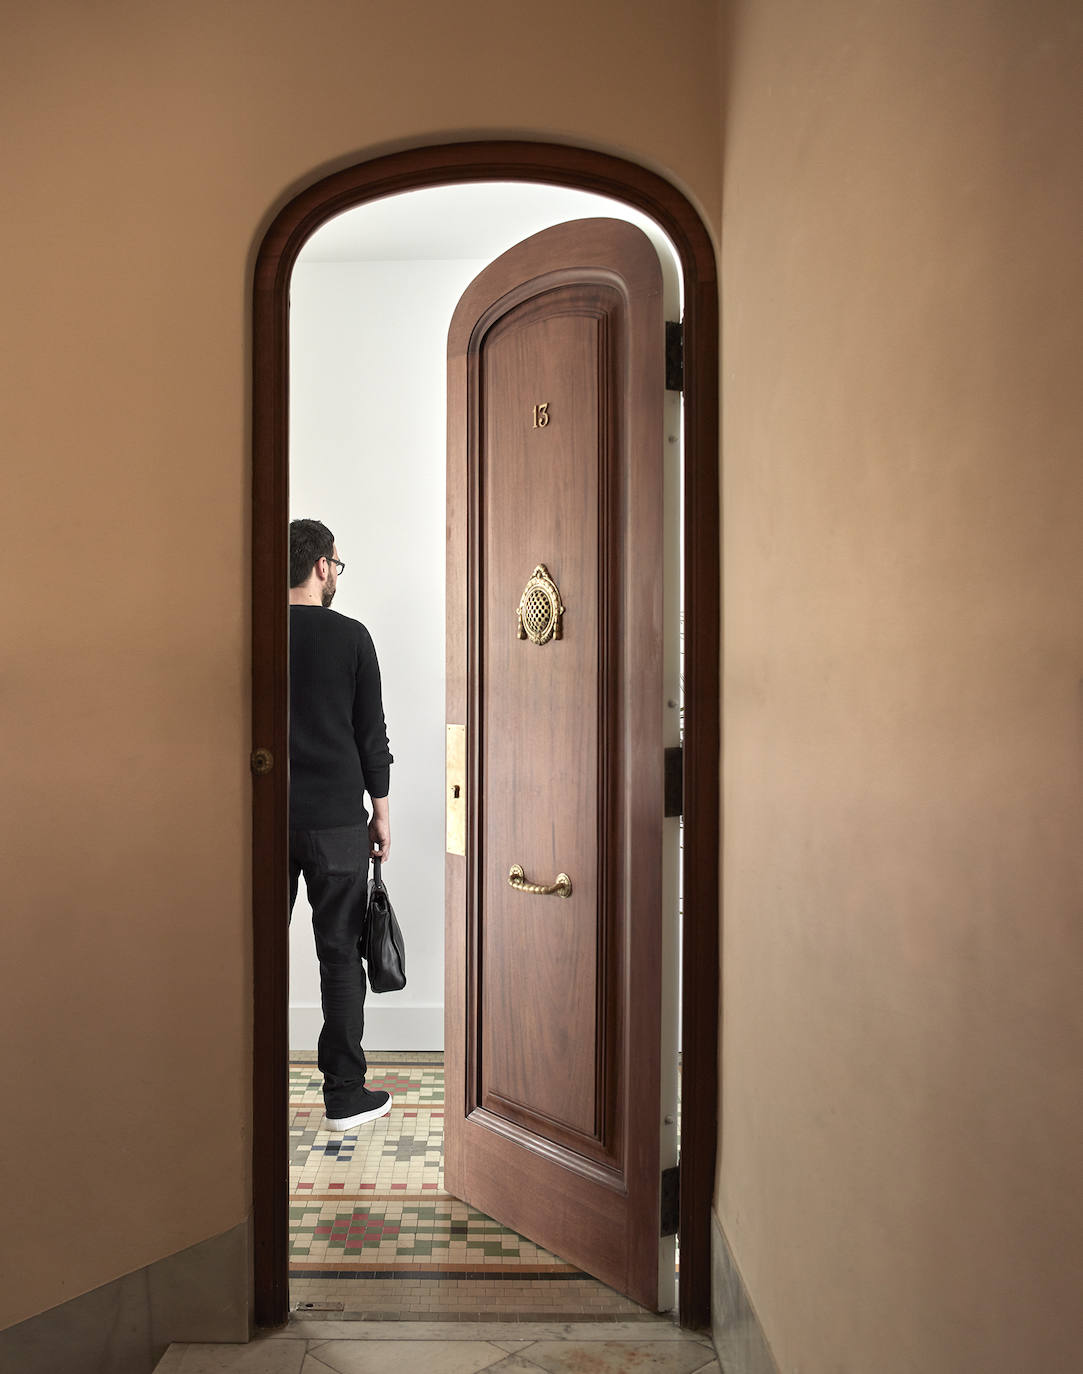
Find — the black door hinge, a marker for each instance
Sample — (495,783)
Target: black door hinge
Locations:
(674,356)
(671,1201)
(674,786)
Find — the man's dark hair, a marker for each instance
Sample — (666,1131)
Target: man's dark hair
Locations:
(309,542)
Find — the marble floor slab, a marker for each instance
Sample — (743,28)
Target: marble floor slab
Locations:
(681,1353)
(405,1357)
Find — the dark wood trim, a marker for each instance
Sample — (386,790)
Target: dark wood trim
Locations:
(436,166)
(608,1178)
(702,807)
(270,803)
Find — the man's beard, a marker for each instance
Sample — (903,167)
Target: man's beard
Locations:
(327,596)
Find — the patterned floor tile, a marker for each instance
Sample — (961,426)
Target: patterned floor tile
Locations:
(400,1152)
(372,1229)
(410,1084)
(443,1231)
(375,1196)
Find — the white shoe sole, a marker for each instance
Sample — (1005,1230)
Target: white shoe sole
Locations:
(347,1123)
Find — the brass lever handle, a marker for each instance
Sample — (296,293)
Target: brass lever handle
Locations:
(517,879)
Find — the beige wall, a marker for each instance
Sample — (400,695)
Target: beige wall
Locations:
(903,496)
(145,149)
(902,1116)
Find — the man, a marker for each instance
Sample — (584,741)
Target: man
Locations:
(338,751)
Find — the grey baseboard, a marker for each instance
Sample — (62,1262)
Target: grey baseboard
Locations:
(735,1329)
(199,1294)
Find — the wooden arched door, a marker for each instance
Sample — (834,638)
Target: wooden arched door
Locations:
(440,165)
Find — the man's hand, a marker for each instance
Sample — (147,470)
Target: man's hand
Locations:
(380,830)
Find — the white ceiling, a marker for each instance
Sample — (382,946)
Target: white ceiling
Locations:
(478,220)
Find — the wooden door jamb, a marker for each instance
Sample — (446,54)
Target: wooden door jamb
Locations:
(438,165)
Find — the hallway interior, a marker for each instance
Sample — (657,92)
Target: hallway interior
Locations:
(376,1243)
(885,522)
(373,1234)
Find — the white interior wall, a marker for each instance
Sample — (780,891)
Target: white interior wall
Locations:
(367,441)
(372,297)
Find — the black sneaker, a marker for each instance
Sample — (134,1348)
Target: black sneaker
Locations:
(375,1104)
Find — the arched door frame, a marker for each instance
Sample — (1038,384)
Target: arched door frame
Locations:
(441,165)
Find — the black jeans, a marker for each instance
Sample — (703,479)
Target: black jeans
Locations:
(336,868)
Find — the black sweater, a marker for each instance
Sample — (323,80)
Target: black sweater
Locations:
(338,740)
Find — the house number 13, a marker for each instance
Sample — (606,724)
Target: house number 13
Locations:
(541,415)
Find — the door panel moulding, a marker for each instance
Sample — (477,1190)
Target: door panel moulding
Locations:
(551,1137)
(581,169)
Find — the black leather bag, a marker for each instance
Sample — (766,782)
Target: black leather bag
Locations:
(382,944)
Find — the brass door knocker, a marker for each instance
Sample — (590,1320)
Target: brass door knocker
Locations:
(540,609)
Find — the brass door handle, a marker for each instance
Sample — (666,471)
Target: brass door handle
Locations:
(517,879)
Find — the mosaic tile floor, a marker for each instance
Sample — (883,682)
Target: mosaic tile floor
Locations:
(373,1232)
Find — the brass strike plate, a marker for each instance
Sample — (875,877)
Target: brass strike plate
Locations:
(456,789)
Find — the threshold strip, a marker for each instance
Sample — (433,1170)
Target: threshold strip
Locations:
(431,1196)
(404,1270)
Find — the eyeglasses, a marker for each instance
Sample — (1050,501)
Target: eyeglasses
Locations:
(340,566)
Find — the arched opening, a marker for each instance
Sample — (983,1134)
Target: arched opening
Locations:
(434,166)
